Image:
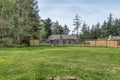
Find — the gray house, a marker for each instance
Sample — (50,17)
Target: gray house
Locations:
(117,38)
(62,39)
(114,37)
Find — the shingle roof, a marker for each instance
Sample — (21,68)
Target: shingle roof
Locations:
(57,37)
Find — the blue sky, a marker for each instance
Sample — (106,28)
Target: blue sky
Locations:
(90,11)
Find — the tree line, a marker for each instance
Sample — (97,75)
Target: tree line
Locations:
(20,22)
(99,31)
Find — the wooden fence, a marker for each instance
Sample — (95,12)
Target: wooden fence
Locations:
(107,43)
(34,42)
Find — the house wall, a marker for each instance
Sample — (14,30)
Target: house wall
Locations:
(67,41)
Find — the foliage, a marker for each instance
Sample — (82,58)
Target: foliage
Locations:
(77,23)
(109,27)
(47,27)
(85,32)
(18,20)
(7,42)
(66,29)
(57,29)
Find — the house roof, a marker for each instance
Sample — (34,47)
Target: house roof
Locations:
(57,37)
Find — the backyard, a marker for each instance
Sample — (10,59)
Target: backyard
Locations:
(39,63)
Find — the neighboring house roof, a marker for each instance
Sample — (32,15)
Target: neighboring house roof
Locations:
(57,37)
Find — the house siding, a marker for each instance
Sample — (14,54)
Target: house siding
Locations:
(62,39)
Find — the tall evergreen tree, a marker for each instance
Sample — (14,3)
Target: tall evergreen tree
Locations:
(18,18)
(47,27)
(66,30)
(104,30)
(117,27)
(110,24)
(93,32)
(85,31)
(77,24)
(97,30)
(57,29)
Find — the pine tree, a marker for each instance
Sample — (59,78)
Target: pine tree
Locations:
(110,24)
(66,30)
(47,27)
(85,32)
(97,30)
(93,32)
(57,29)
(104,30)
(77,24)
(18,18)
(117,27)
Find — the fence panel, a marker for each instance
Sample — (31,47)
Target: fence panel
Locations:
(34,42)
(108,43)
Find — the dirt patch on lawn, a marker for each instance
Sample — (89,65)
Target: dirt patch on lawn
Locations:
(63,78)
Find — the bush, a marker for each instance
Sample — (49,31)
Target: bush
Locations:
(7,42)
(21,45)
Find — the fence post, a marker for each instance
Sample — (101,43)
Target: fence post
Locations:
(117,43)
(95,42)
(106,43)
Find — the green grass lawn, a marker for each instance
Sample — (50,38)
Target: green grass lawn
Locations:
(37,63)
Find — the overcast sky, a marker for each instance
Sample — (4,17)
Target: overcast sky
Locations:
(90,11)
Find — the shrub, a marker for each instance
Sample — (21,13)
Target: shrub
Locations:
(7,42)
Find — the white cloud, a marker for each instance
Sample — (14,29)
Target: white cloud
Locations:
(64,13)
